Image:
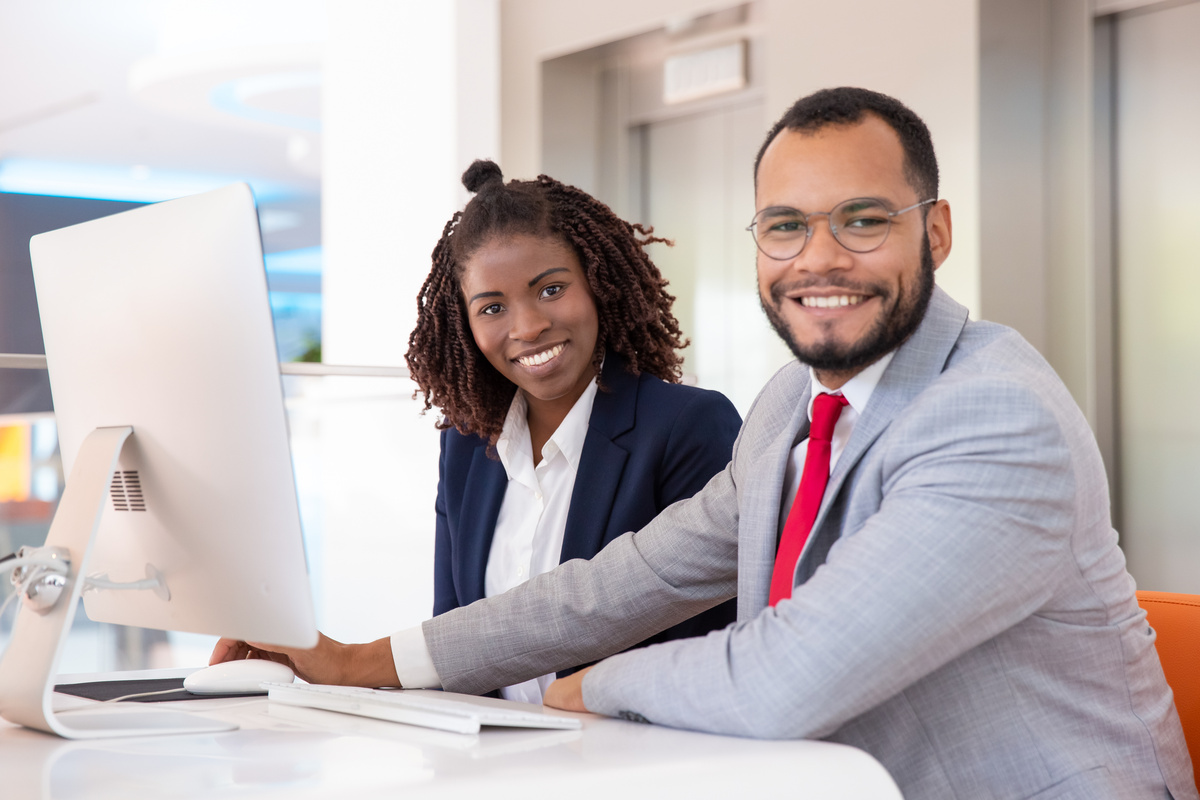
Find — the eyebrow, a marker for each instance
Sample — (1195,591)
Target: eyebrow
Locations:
(541,275)
(779,211)
(533,282)
(866,201)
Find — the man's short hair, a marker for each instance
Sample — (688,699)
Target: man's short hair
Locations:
(846,105)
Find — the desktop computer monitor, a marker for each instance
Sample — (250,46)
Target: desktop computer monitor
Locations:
(157,320)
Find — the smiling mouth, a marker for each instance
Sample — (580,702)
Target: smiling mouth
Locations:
(537,359)
(836,301)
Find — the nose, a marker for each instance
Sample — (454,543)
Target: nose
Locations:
(822,252)
(528,323)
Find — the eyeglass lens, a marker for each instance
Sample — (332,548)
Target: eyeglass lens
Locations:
(859,225)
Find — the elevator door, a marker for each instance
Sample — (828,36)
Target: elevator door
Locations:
(698,189)
(1158,282)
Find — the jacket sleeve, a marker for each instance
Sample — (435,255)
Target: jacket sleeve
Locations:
(971,534)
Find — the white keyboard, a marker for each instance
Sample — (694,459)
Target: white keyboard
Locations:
(430,709)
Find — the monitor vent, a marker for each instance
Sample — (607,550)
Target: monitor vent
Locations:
(127,491)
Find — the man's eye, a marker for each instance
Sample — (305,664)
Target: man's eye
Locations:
(787,226)
(552,290)
(865,222)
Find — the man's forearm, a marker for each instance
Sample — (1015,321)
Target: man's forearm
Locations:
(369,664)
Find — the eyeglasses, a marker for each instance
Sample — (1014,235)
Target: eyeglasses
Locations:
(860,225)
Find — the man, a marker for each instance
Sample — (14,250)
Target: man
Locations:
(959,609)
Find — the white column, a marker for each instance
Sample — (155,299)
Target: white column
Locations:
(410,96)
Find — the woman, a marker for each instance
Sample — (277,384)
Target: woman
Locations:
(545,337)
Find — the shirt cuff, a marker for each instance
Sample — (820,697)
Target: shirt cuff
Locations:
(414,664)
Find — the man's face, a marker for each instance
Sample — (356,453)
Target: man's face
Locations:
(837,310)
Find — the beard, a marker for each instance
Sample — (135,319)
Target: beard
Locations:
(898,319)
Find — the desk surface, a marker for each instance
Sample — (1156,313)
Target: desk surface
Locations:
(296,753)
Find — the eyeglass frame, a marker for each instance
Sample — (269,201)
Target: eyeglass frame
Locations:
(832,228)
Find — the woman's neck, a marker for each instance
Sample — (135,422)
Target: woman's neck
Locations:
(545,416)
(543,419)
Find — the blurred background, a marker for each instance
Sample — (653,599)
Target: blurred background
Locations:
(1065,131)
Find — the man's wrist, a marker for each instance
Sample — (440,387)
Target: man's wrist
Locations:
(369,664)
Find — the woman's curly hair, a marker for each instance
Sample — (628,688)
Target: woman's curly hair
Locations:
(632,304)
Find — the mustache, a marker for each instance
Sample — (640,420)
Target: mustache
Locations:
(779,291)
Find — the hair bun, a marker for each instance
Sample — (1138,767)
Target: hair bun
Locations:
(480,174)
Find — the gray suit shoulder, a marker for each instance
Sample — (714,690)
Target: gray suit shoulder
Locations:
(992,352)
(995,345)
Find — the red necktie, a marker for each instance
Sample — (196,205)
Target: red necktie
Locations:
(826,410)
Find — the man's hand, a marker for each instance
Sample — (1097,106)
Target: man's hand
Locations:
(329,662)
(567,693)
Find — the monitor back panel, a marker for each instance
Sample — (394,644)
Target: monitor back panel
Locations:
(159,318)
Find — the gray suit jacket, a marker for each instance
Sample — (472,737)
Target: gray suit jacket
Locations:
(963,611)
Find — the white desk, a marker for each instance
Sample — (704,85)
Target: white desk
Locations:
(303,753)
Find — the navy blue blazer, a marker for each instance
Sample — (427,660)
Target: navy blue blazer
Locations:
(648,444)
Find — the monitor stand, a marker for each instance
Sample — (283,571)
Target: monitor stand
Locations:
(29,666)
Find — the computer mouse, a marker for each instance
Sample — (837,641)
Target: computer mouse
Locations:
(238,677)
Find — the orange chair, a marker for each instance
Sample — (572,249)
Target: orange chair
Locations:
(1176,620)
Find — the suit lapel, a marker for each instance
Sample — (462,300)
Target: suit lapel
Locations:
(601,462)
(916,364)
(487,482)
(756,552)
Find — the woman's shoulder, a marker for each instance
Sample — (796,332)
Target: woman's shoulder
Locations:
(656,407)
(455,443)
(679,398)
(658,387)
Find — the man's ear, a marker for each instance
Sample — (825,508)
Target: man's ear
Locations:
(939,226)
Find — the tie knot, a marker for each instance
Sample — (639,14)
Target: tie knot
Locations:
(826,410)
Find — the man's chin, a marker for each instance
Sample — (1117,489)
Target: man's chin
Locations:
(822,343)
(824,352)
(832,358)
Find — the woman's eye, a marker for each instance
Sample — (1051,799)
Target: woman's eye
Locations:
(552,290)
(492,308)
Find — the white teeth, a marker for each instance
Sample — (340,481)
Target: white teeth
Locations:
(537,359)
(837,301)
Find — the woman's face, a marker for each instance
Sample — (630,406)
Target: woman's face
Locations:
(533,316)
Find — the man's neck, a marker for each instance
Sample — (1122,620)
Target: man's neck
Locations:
(836,379)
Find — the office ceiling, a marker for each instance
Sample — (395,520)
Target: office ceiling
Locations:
(155,88)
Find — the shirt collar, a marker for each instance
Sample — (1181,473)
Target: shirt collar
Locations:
(515,448)
(513,443)
(857,390)
(573,430)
